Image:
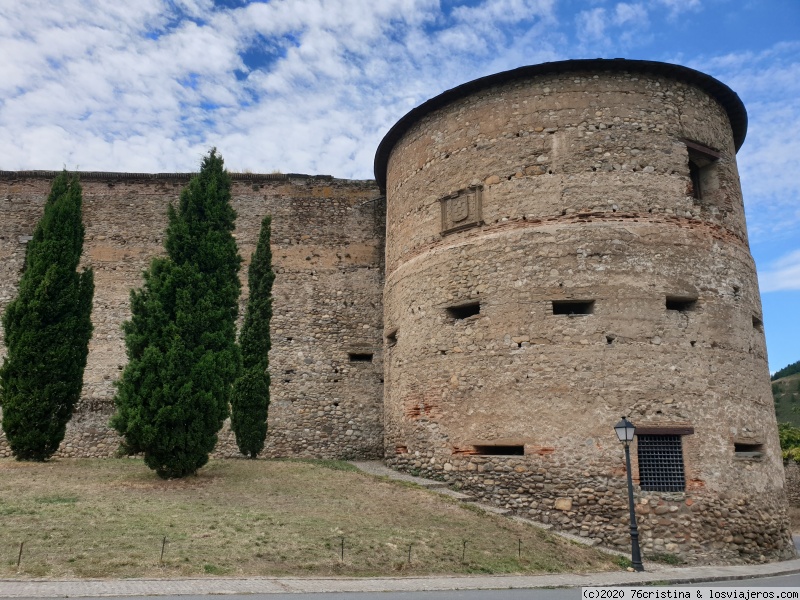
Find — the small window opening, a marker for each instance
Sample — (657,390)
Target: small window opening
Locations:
(391,338)
(500,450)
(464,311)
(681,304)
(360,356)
(742,450)
(702,163)
(573,307)
(661,463)
(758,324)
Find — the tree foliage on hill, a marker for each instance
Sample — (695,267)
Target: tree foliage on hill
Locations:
(787,370)
(181,340)
(47,329)
(250,401)
(790,441)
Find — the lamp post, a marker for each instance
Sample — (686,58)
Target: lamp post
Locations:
(625,430)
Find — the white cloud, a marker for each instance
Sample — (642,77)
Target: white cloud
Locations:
(591,25)
(619,26)
(676,7)
(630,14)
(783,274)
(104,86)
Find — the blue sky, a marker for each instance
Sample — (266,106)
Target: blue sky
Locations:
(311,86)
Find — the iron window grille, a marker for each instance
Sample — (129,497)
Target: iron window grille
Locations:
(661,463)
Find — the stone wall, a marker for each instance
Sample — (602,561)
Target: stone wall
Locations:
(327,245)
(792,470)
(513,202)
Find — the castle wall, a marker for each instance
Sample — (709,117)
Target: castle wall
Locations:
(576,187)
(792,470)
(327,245)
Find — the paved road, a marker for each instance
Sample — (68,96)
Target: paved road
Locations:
(435,588)
(792,581)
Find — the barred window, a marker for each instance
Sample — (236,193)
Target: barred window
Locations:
(661,463)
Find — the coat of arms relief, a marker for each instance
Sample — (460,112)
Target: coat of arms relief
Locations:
(461,209)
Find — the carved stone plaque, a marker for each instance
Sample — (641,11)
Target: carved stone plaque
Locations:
(461,209)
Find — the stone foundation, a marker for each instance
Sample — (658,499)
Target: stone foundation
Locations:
(694,527)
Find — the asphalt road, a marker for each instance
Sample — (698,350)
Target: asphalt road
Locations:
(790,581)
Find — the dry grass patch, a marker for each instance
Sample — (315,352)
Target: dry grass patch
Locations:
(108,518)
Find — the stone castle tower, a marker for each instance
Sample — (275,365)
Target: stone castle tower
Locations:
(566,244)
(545,250)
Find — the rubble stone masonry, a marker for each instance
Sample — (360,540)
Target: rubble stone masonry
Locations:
(327,244)
(552,264)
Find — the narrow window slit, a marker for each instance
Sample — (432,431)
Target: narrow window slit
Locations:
(464,311)
(681,304)
(702,164)
(359,356)
(742,450)
(500,450)
(573,307)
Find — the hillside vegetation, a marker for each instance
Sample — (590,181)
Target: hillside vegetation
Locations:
(786,393)
(791,369)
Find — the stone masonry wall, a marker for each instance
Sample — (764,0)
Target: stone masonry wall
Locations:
(327,244)
(576,187)
(792,470)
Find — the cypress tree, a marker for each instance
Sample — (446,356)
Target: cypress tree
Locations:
(173,395)
(47,329)
(250,401)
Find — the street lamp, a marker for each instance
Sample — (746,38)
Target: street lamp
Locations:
(625,430)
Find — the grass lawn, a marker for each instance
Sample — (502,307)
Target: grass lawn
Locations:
(108,518)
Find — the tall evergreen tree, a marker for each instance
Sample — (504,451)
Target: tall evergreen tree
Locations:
(181,340)
(250,401)
(47,329)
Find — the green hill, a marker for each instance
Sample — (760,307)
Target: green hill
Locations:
(786,393)
(791,369)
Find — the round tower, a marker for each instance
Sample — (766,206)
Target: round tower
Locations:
(565,245)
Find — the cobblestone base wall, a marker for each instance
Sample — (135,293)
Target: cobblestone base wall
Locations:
(327,245)
(792,470)
(582,499)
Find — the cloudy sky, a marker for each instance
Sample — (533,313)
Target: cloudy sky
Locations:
(311,86)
